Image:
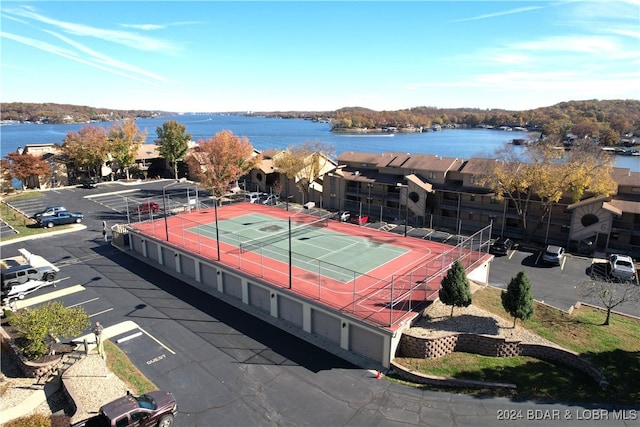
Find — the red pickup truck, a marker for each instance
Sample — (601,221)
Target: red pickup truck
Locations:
(154,409)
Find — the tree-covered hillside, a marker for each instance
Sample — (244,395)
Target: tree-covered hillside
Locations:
(65,113)
(606,120)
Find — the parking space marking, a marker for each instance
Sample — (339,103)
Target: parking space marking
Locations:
(158,341)
(49,296)
(119,329)
(83,302)
(100,312)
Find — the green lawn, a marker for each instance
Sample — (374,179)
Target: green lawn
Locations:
(615,349)
(25,226)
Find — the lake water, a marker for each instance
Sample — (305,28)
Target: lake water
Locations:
(273,133)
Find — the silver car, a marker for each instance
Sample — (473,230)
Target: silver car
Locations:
(553,254)
(622,267)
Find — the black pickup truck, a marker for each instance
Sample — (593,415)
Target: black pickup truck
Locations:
(154,409)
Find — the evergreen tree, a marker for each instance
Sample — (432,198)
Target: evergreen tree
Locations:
(455,290)
(517,300)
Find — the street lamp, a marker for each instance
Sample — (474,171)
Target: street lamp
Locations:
(164,205)
(215,209)
(406,205)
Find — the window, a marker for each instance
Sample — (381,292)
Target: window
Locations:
(122,422)
(589,219)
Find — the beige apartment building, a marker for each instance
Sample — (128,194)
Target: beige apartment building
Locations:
(444,193)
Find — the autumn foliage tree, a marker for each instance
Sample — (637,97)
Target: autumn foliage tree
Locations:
(25,166)
(88,148)
(221,160)
(124,141)
(455,288)
(304,163)
(546,175)
(173,143)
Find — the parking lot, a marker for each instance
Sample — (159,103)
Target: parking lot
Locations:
(222,363)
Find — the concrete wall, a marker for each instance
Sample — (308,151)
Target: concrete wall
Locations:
(361,343)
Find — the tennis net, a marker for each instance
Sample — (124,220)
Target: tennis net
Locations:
(301,227)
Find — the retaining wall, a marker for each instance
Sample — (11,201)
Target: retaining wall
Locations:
(435,347)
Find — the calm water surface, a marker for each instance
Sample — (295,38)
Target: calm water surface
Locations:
(273,133)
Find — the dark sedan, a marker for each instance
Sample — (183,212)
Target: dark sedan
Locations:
(60,218)
(501,246)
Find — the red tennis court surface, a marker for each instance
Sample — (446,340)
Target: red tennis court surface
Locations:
(386,295)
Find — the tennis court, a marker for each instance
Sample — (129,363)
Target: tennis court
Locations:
(377,276)
(341,254)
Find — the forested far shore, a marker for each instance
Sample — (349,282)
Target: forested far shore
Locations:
(608,121)
(24,112)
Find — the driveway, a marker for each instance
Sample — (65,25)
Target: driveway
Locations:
(227,368)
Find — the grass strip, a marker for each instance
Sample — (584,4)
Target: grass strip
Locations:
(615,349)
(120,364)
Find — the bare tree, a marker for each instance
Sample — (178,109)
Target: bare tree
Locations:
(609,292)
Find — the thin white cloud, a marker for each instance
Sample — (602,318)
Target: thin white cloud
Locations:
(68,54)
(129,39)
(144,27)
(581,44)
(496,14)
(99,58)
(153,27)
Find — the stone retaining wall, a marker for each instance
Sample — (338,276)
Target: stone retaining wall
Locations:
(435,347)
(30,369)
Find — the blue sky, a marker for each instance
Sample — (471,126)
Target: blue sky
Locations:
(279,56)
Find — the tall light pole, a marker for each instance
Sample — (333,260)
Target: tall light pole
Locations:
(215,209)
(406,205)
(164,205)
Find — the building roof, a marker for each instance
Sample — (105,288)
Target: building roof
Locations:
(147,152)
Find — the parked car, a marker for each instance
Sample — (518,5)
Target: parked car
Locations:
(60,218)
(157,408)
(622,267)
(344,216)
(146,207)
(253,197)
(90,183)
(271,199)
(359,219)
(553,255)
(50,210)
(501,246)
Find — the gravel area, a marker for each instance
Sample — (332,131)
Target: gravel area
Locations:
(87,377)
(437,321)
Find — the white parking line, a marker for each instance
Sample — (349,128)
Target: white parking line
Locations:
(49,296)
(118,329)
(100,312)
(83,302)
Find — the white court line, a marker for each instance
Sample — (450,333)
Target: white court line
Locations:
(49,296)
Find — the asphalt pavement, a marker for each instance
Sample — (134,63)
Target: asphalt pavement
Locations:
(228,368)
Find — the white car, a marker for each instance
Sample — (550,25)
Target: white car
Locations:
(252,197)
(51,210)
(622,267)
(271,199)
